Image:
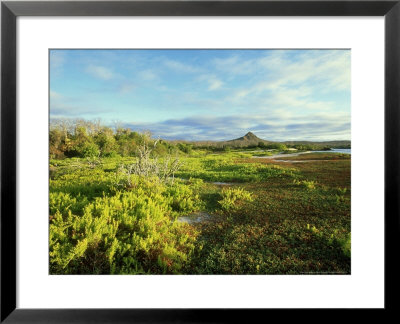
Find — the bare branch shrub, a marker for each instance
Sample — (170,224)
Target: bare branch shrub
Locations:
(152,167)
(94,161)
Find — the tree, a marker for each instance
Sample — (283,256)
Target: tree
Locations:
(56,143)
(106,142)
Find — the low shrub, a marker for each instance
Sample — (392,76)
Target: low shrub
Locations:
(233,197)
(306,184)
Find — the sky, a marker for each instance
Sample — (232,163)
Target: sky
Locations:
(278,95)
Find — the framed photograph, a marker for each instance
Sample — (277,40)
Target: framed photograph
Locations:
(197,160)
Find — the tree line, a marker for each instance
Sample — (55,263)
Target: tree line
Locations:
(82,138)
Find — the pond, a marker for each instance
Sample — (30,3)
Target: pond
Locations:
(345,151)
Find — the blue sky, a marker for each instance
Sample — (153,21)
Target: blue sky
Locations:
(207,94)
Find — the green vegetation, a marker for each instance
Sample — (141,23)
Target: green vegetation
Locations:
(116,198)
(232,196)
(316,156)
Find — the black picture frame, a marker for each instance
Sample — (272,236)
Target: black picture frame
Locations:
(10,10)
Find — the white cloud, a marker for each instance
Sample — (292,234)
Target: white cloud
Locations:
(125,88)
(180,67)
(327,70)
(75,106)
(55,95)
(309,82)
(57,59)
(147,75)
(235,65)
(57,62)
(100,72)
(214,84)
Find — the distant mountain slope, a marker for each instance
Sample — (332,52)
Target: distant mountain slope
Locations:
(247,140)
(251,140)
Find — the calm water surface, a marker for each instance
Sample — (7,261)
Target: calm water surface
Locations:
(346,151)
